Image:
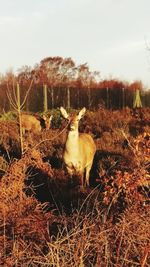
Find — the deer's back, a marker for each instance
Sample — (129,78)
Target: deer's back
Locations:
(30,123)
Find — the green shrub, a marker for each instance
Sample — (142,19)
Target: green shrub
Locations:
(10,115)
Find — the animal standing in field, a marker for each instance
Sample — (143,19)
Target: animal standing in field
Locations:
(47,121)
(33,124)
(79,148)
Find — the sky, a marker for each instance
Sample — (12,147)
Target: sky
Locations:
(111,36)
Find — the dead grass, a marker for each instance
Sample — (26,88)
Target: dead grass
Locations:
(47,220)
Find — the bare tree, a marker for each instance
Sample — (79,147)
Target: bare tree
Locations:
(18,105)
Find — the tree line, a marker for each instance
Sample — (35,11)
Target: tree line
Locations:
(58,81)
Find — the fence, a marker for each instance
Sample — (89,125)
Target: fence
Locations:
(43,98)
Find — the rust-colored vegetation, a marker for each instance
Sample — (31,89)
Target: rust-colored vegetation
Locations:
(45,217)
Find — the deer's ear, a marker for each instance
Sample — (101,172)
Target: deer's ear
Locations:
(44,117)
(81,113)
(51,117)
(64,113)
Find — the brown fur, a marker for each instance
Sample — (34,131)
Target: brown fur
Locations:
(79,148)
(32,124)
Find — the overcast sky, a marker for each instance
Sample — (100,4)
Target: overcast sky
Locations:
(110,35)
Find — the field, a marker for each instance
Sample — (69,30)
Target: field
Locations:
(47,219)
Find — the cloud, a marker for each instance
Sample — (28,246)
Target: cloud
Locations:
(107,34)
(8,20)
(126,47)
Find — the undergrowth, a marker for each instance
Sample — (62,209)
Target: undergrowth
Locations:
(47,219)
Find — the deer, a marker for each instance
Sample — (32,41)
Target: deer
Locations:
(33,124)
(79,148)
(47,121)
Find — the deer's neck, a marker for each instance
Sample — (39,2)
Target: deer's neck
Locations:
(72,140)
